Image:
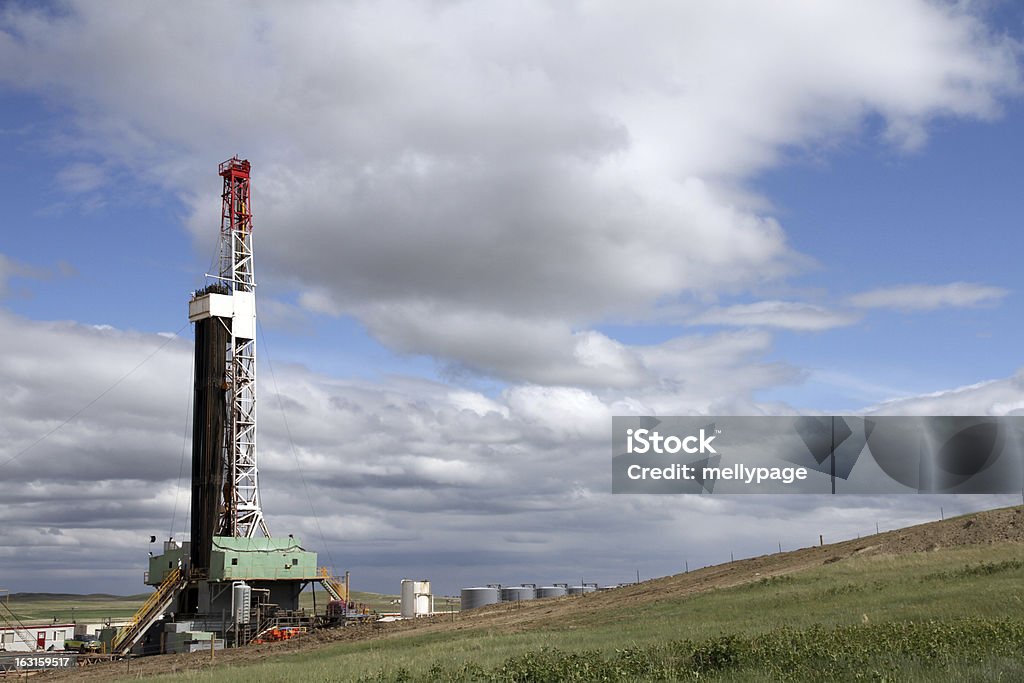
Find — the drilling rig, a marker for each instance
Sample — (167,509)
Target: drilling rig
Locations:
(224,313)
(231,580)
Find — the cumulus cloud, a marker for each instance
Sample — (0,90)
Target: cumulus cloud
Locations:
(377,475)
(547,352)
(929,297)
(346,464)
(571,162)
(786,315)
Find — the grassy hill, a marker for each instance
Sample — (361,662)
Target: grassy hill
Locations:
(941,601)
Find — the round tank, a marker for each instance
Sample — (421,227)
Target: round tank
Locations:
(424,604)
(551,591)
(408,600)
(609,588)
(580,590)
(480,596)
(515,593)
(415,598)
(241,599)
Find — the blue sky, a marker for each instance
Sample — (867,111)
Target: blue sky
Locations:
(480,233)
(875,216)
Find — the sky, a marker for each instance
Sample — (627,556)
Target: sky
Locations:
(480,231)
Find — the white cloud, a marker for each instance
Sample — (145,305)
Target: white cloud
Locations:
(929,297)
(781,314)
(571,415)
(516,349)
(994,397)
(476,402)
(431,465)
(394,470)
(571,162)
(551,354)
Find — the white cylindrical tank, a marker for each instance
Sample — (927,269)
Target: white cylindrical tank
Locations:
(241,601)
(479,596)
(407,598)
(516,593)
(416,598)
(423,600)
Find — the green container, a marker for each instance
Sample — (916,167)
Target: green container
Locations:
(236,559)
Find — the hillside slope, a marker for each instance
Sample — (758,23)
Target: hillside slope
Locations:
(985,528)
(938,545)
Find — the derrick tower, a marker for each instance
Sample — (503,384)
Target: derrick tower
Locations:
(225,497)
(242,515)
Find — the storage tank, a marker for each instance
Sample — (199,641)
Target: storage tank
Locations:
(516,593)
(425,601)
(241,601)
(480,596)
(551,591)
(415,598)
(580,590)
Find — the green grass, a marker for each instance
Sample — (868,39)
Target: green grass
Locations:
(34,608)
(877,613)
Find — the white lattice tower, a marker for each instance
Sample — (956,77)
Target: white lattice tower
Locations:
(242,515)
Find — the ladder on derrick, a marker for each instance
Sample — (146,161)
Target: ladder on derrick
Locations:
(151,610)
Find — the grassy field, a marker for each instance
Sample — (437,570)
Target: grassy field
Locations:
(953,615)
(45,607)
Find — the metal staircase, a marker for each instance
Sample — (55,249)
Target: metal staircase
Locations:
(336,589)
(13,622)
(151,610)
